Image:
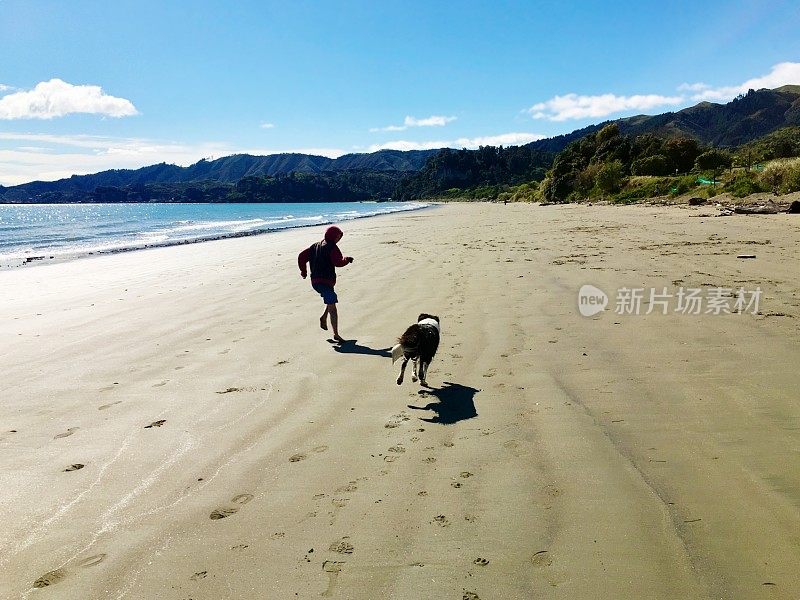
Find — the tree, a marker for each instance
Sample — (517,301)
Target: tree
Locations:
(712,160)
(609,177)
(653,165)
(682,151)
(606,133)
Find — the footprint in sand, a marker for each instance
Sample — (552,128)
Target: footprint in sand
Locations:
(441,520)
(470,596)
(397,420)
(222,513)
(161,383)
(541,559)
(53,577)
(552,491)
(50,578)
(481,562)
(513,446)
(73,467)
(158,423)
(398,449)
(199,575)
(343,546)
(67,433)
(332,568)
(302,456)
(105,406)
(227,511)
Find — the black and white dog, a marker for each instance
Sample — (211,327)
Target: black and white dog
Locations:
(419,343)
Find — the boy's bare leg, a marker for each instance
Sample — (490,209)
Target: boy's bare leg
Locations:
(323,320)
(335,322)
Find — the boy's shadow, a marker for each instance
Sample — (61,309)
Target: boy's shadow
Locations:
(456,403)
(351,347)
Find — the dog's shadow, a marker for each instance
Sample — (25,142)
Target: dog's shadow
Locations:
(456,403)
(352,347)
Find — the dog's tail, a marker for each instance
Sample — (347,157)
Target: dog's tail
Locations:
(397,352)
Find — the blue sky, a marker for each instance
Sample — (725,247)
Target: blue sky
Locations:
(92,85)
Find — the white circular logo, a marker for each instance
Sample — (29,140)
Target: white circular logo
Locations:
(591,300)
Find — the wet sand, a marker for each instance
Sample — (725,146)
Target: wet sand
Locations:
(175,425)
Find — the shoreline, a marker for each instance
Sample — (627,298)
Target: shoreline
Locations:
(45,259)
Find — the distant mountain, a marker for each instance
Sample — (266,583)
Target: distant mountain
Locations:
(742,120)
(226,170)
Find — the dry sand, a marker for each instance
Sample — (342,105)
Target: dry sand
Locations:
(556,456)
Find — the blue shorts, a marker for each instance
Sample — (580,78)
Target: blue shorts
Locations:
(326,291)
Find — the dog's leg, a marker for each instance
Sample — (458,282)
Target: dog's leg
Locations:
(423,372)
(415,370)
(402,371)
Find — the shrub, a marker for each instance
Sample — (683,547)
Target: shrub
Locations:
(782,176)
(744,184)
(609,177)
(657,164)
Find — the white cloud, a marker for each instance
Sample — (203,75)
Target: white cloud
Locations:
(432,121)
(5,88)
(388,128)
(505,139)
(406,145)
(786,73)
(57,98)
(573,106)
(693,87)
(267,126)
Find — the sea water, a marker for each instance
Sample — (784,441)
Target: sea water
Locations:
(32,233)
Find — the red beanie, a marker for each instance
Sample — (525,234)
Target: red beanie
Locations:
(332,233)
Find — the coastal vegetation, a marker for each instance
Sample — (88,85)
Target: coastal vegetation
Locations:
(608,165)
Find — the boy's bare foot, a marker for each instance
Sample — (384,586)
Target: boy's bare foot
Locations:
(339,339)
(323,323)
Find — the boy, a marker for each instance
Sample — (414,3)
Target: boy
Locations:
(324,257)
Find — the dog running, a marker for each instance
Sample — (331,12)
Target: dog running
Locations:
(419,343)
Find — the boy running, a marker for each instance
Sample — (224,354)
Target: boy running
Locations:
(324,257)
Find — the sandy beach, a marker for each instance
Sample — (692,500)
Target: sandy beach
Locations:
(175,425)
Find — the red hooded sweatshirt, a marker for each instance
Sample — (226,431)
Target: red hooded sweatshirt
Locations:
(324,257)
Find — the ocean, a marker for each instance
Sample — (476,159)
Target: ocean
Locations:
(34,233)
